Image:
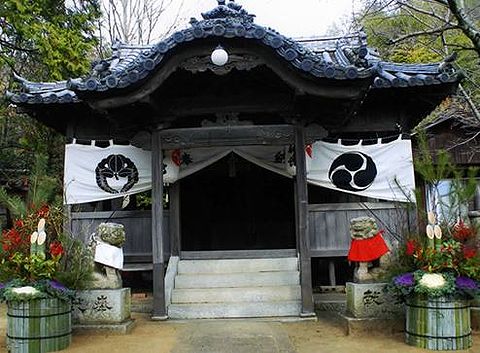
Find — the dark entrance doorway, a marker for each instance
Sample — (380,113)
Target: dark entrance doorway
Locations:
(237,205)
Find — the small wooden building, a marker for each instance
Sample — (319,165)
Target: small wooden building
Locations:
(272,91)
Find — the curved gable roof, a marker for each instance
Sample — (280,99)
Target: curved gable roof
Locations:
(346,58)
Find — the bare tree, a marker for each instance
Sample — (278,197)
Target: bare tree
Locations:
(445,16)
(140,21)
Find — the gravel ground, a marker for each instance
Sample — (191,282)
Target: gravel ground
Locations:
(235,336)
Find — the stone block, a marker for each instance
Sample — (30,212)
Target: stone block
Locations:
(369,300)
(101,306)
(376,325)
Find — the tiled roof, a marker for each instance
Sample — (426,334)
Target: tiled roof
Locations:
(346,58)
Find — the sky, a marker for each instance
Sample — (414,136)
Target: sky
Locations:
(293,18)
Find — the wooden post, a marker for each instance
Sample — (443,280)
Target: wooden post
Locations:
(159,310)
(331,273)
(175,235)
(302,223)
(67,209)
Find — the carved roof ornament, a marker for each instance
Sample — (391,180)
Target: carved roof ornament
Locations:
(230,10)
(235,61)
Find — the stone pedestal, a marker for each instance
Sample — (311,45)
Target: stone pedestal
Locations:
(103,309)
(370,309)
(367,300)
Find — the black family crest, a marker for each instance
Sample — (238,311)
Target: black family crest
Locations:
(116,166)
(353,171)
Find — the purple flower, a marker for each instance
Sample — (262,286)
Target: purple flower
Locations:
(465,283)
(57,285)
(406,280)
(2,286)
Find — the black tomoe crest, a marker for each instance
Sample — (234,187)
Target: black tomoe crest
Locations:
(115,166)
(353,171)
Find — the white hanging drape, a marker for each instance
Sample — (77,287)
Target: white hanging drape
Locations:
(383,170)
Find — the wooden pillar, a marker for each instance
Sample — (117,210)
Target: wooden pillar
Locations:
(67,209)
(302,223)
(159,310)
(175,233)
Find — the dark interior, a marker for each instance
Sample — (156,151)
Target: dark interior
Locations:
(236,205)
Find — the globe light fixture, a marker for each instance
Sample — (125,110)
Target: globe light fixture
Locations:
(219,56)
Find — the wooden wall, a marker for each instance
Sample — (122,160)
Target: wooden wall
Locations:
(329,224)
(328,235)
(138,228)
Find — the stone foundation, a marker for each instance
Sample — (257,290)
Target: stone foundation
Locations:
(102,309)
(368,300)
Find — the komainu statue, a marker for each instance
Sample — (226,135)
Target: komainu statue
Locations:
(107,244)
(367,245)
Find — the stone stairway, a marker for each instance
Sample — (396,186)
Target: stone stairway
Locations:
(236,288)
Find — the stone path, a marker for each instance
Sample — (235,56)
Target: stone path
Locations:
(239,337)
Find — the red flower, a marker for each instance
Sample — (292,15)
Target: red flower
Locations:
(43,211)
(462,232)
(56,249)
(18,223)
(411,246)
(6,247)
(469,252)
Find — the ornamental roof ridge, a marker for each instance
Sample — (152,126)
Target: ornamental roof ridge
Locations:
(335,58)
(230,10)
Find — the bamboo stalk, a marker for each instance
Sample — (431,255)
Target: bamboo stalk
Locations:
(38,326)
(438,324)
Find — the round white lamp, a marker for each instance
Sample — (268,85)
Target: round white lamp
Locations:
(219,56)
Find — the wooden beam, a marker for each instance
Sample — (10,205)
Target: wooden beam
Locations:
(251,102)
(238,254)
(159,309)
(175,226)
(227,136)
(302,223)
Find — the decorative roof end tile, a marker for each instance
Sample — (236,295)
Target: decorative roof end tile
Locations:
(231,10)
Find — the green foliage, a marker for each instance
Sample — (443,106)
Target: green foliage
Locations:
(403,34)
(65,259)
(43,40)
(43,189)
(436,166)
(76,269)
(48,34)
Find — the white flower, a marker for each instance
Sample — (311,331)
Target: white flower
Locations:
(27,290)
(432,280)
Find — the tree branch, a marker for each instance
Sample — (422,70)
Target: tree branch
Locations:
(466,24)
(422,33)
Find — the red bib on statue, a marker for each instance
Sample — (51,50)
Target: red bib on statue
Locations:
(365,250)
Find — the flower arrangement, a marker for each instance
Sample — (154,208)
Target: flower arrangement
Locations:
(34,265)
(444,263)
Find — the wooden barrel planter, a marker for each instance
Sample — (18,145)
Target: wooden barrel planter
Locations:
(38,326)
(438,324)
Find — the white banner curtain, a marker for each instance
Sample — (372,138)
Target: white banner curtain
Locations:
(381,171)
(94,173)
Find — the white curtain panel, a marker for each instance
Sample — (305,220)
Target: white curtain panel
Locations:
(382,171)
(95,173)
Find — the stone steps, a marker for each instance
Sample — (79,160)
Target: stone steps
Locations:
(235,280)
(237,265)
(246,294)
(234,310)
(236,288)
